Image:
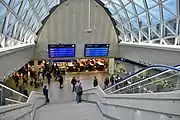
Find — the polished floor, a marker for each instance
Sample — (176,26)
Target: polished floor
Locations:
(65,95)
(62,104)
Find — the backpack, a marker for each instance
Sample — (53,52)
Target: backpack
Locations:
(81,91)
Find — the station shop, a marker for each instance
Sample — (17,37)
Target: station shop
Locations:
(72,66)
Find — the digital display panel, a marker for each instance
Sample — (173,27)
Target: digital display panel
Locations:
(96,50)
(61,50)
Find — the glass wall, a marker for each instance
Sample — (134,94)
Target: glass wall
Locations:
(146,21)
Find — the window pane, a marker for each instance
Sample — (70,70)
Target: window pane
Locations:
(2,10)
(6,1)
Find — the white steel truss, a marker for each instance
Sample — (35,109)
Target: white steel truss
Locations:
(21,19)
(138,21)
(146,21)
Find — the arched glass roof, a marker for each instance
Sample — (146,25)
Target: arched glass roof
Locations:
(146,21)
(21,19)
(138,21)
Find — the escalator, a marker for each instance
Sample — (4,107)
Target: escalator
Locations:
(9,95)
(157,78)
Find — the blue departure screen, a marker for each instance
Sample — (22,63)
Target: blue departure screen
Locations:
(61,50)
(96,50)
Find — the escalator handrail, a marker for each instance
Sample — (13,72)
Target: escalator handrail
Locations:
(143,70)
(12,89)
(153,81)
(136,83)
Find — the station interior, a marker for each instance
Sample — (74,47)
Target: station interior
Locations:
(123,54)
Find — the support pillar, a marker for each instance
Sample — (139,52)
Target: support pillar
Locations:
(111,65)
(36,67)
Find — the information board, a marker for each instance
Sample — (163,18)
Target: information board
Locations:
(96,50)
(61,50)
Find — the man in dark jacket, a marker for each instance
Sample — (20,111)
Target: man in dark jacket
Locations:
(112,79)
(106,82)
(95,82)
(60,80)
(73,82)
(48,75)
(45,91)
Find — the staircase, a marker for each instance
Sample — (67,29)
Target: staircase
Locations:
(69,111)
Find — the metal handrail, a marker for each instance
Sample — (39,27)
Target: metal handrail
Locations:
(15,101)
(136,83)
(170,68)
(10,89)
(156,81)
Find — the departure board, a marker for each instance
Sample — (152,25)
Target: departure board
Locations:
(96,50)
(61,50)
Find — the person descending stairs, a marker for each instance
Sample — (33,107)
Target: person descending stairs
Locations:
(63,106)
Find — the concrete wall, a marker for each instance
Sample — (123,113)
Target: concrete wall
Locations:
(68,23)
(14,58)
(155,55)
(151,106)
(25,111)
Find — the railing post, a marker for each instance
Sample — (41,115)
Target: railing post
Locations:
(1,97)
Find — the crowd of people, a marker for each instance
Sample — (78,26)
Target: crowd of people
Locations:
(114,79)
(49,71)
(76,87)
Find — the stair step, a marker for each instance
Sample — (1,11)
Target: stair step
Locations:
(69,111)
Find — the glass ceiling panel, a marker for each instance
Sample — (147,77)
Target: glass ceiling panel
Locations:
(130,8)
(125,2)
(115,1)
(140,3)
(171,6)
(3,10)
(16,9)
(53,4)
(116,17)
(151,3)
(27,5)
(118,7)
(167,15)
(111,8)
(155,12)
(139,9)
(130,15)
(6,1)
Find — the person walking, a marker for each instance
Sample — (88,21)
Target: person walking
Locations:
(73,82)
(60,80)
(106,82)
(16,79)
(95,82)
(48,75)
(45,92)
(79,91)
(112,80)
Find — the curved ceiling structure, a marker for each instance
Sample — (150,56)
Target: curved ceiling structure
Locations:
(146,21)
(138,21)
(21,19)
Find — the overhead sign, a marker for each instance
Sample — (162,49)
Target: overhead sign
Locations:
(61,50)
(96,50)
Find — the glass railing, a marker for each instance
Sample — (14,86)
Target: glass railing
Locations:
(161,83)
(149,74)
(10,96)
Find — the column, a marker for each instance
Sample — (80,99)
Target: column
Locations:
(111,66)
(36,67)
